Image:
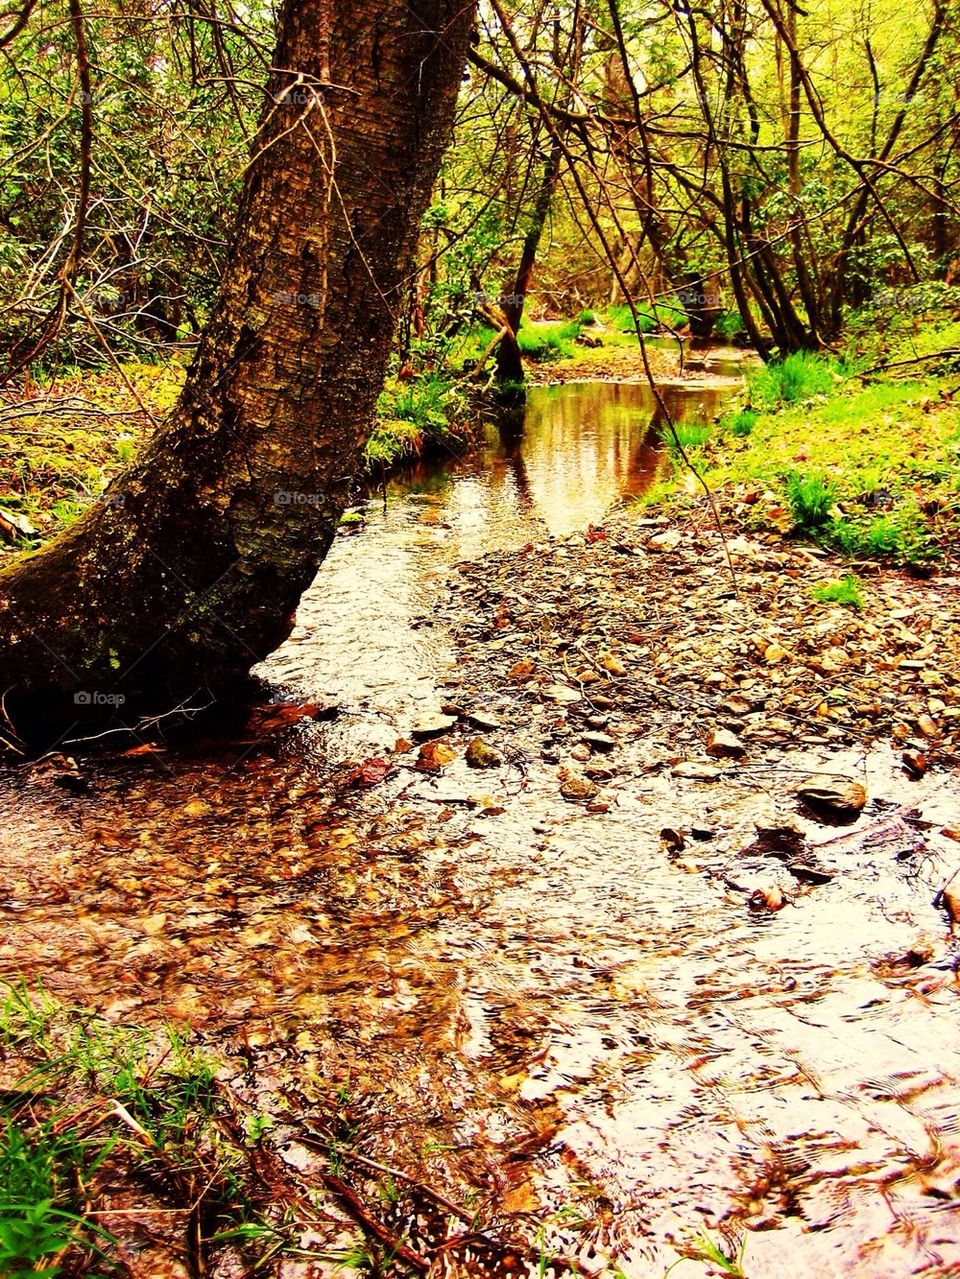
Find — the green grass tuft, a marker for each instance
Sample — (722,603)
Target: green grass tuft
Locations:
(812,497)
(801,376)
(845,591)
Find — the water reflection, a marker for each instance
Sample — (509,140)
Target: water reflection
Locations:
(551,465)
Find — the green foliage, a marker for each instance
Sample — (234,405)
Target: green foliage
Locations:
(411,413)
(687,435)
(741,423)
(548,340)
(95,1095)
(899,536)
(845,591)
(728,326)
(587,317)
(812,497)
(801,376)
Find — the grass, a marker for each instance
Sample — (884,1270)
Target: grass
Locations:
(870,468)
(803,375)
(92,1104)
(812,497)
(846,591)
(741,422)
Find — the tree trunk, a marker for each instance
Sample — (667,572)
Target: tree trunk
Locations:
(190,569)
(509,359)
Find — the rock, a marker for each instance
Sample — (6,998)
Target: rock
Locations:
(561,693)
(690,769)
(480,755)
(914,763)
(928,725)
(600,741)
(483,720)
(840,799)
(722,744)
(612,664)
(574,788)
(737,705)
(666,541)
(580,753)
(433,726)
(521,672)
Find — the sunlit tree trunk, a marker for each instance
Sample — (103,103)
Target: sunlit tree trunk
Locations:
(191,568)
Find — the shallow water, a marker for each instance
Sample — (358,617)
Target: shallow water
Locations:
(590,1028)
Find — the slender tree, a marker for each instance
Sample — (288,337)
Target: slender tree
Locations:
(191,567)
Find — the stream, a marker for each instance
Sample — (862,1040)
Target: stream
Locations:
(532,993)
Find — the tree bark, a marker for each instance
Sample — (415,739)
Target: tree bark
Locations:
(190,569)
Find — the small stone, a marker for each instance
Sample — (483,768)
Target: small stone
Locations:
(695,772)
(914,763)
(433,726)
(486,722)
(581,754)
(574,787)
(842,799)
(928,725)
(480,755)
(612,664)
(600,741)
(561,693)
(666,541)
(722,744)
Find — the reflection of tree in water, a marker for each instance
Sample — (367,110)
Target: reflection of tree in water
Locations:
(645,458)
(510,426)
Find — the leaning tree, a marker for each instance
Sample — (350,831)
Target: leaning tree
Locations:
(189,569)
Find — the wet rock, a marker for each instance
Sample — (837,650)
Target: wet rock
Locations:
(695,772)
(600,741)
(836,799)
(914,763)
(433,726)
(480,755)
(483,720)
(612,664)
(574,787)
(666,541)
(722,744)
(561,693)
